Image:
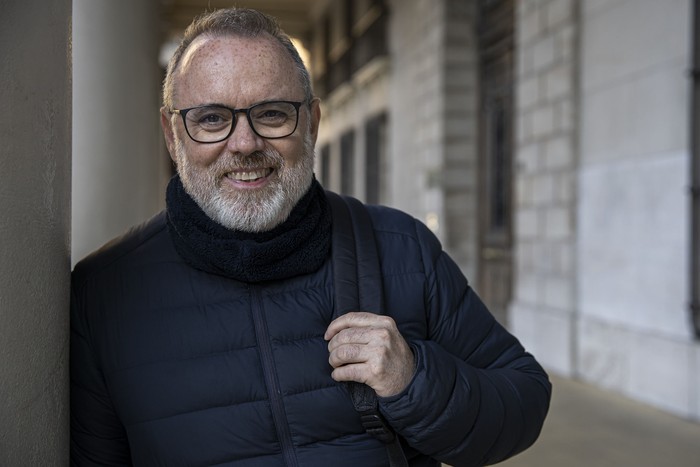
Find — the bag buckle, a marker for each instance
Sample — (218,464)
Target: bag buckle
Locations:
(377,426)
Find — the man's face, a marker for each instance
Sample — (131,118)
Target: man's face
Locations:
(245,182)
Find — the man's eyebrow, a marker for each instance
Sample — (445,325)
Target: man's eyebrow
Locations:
(264,101)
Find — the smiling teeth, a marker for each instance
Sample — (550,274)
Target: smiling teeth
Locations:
(248,176)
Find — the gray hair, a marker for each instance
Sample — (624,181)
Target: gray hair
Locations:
(241,22)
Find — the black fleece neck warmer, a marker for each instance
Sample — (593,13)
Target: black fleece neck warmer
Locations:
(298,246)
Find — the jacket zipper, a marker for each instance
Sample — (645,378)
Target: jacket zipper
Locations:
(279,415)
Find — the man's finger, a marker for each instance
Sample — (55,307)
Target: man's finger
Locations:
(352,372)
(350,336)
(356,319)
(347,354)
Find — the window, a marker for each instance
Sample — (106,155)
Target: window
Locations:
(375,149)
(350,35)
(347,163)
(339,41)
(369,32)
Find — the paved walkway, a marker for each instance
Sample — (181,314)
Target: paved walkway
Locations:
(593,428)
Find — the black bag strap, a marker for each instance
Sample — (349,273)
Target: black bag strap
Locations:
(358,286)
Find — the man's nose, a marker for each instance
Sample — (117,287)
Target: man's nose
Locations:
(243,139)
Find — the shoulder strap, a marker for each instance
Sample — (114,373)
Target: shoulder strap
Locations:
(356,270)
(358,286)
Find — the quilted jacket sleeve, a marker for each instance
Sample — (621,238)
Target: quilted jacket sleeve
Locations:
(477,396)
(97,435)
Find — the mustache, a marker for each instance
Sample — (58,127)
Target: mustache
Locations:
(259,159)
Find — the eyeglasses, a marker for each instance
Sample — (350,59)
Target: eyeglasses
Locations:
(215,123)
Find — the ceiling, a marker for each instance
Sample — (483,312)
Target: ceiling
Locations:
(293,15)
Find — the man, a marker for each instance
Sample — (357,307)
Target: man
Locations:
(206,336)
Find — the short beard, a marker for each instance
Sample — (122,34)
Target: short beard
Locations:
(258,211)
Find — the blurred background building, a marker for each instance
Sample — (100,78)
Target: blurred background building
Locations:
(552,145)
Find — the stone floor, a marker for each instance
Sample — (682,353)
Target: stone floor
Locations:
(590,427)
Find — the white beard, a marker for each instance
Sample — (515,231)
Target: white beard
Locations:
(248,210)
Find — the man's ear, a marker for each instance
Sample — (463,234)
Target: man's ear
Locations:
(165,123)
(315,115)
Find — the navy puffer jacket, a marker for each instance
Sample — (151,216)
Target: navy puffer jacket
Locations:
(172,366)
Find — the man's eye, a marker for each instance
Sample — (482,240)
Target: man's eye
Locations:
(273,114)
(210,118)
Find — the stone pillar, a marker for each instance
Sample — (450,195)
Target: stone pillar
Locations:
(119,170)
(542,313)
(432,121)
(416,124)
(35,131)
(460,136)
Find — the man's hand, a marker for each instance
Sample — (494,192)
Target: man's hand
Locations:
(368,348)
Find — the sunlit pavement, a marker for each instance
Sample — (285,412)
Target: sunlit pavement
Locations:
(590,427)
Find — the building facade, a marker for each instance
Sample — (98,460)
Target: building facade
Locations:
(548,144)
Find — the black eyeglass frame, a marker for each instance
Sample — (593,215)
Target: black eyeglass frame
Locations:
(183,113)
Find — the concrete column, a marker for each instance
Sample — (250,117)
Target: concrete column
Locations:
(35,136)
(119,169)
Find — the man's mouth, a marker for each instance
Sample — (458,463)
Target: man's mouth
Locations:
(249,175)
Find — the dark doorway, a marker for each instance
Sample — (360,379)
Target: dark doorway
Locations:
(496,59)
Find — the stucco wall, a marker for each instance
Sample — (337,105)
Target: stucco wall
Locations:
(35,145)
(633,251)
